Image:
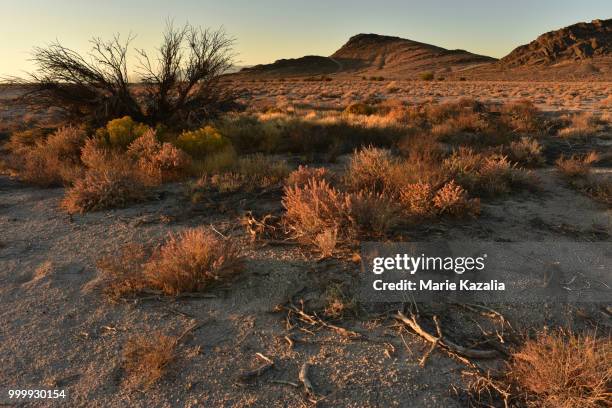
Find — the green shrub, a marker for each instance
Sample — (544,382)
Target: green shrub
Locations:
(121,132)
(202,142)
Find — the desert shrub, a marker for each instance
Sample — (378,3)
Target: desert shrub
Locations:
(564,370)
(576,170)
(110,181)
(526,151)
(158,162)
(598,189)
(326,242)
(301,176)
(582,124)
(263,170)
(121,132)
(463,122)
(247,173)
(191,261)
(369,169)
(360,109)
(146,358)
(202,142)
(486,174)
(249,135)
(53,161)
(417,199)
(22,141)
(218,162)
(314,209)
(576,166)
(521,116)
(427,76)
(453,200)
(370,214)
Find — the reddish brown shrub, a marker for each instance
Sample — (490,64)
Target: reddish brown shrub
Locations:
(52,161)
(158,162)
(191,261)
(560,370)
(453,200)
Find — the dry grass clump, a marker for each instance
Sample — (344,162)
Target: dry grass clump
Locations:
(564,370)
(526,151)
(110,181)
(582,124)
(146,358)
(576,166)
(51,161)
(190,261)
(301,176)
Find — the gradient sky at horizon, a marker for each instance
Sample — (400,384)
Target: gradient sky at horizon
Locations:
(267,30)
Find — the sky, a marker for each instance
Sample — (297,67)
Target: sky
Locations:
(266,30)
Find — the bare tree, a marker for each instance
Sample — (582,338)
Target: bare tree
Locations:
(181,85)
(184,83)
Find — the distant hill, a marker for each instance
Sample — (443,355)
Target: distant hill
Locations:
(580,51)
(376,55)
(308,65)
(373,52)
(578,42)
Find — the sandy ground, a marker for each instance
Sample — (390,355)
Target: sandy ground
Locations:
(58,331)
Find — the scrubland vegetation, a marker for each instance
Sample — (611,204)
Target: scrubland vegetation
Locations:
(319,180)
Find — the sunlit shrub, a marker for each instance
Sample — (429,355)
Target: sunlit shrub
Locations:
(159,162)
(564,370)
(202,142)
(453,200)
(53,161)
(121,132)
(110,181)
(526,151)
